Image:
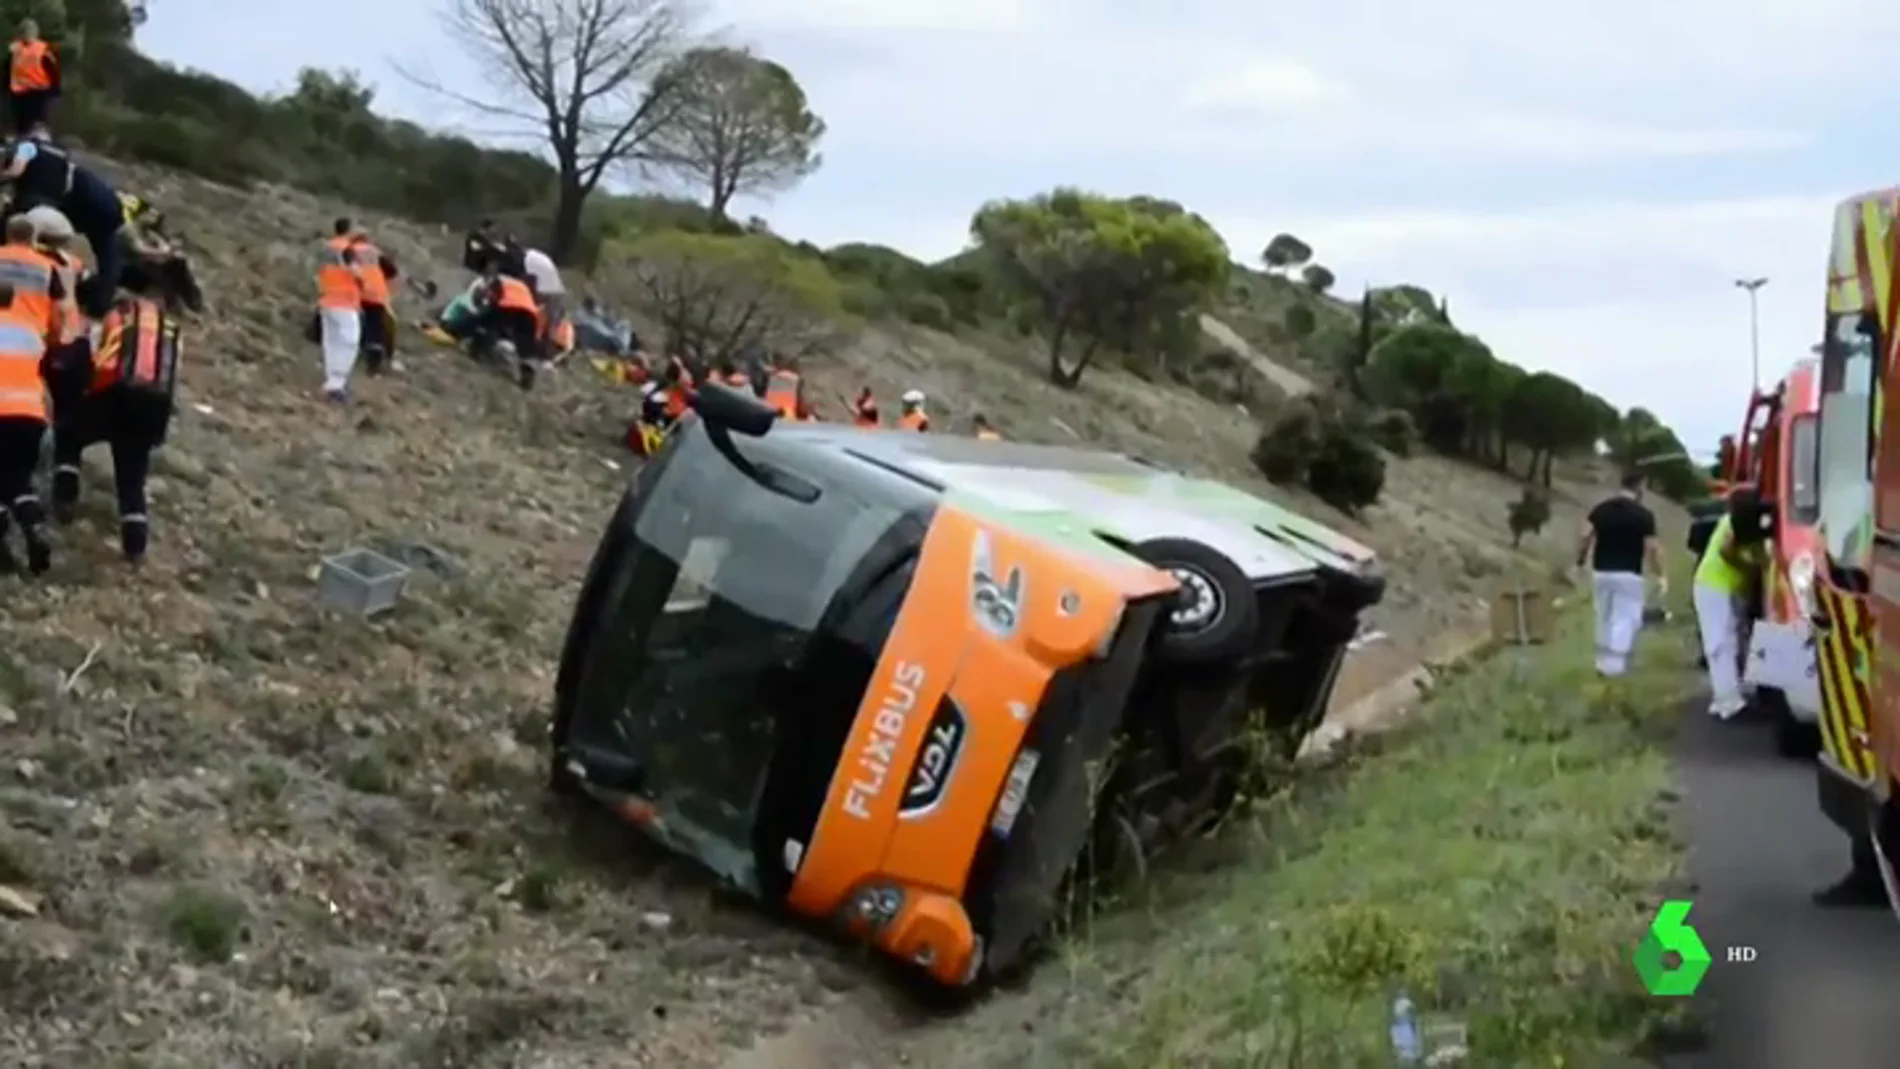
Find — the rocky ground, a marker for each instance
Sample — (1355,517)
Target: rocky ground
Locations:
(242,831)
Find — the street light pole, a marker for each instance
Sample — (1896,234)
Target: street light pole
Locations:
(1754,327)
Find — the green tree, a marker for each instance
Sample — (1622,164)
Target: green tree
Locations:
(1086,268)
(582,77)
(1405,303)
(1317,278)
(1285,252)
(740,126)
(1551,416)
(719,296)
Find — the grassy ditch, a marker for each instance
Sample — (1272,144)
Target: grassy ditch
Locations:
(1497,858)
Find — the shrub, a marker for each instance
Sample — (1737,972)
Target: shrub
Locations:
(1287,447)
(1348,473)
(928,310)
(1326,448)
(1529,513)
(1395,432)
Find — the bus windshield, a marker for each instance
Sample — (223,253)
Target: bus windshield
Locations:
(712,634)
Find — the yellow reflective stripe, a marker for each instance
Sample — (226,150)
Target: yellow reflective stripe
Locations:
(1876,237)
(1843,693)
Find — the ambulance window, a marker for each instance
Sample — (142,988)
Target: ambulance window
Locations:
(1804,470)
(1847,361)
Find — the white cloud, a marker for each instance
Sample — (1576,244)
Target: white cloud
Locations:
(878,15)
(1634,300)
(1264,85)
(1690,129)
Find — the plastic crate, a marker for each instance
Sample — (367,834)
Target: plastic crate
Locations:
(361,582)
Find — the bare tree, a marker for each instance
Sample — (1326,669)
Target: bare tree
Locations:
(743,126)
(587,77)
(718,297)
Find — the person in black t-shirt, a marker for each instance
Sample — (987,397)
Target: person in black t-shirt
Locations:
(1619,538)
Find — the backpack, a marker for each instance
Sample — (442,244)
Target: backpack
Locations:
(144,362)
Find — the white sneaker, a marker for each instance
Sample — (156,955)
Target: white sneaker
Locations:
(1727,710)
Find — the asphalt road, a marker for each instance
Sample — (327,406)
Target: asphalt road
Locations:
(1823,990)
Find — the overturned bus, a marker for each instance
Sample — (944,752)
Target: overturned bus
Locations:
(914,684)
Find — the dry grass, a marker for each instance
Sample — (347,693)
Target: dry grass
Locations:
(1497,859)
(260,834)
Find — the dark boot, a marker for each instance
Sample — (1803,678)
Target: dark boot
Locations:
(1860,888)
(9,564)
(524,374)
(134,535)
(39,552)
(65,496)
(374,359)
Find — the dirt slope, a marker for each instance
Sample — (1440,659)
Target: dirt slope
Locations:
(240,832)
(1289,382)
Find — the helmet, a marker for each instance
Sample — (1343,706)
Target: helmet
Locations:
(50,224)
(913,397)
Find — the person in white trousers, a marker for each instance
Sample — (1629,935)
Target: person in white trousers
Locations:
(340,309)
(1619,539)
(1729,568)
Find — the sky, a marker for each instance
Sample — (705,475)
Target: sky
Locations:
(1585,183)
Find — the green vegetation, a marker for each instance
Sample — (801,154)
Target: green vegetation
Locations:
(1511,910)
(1092,279)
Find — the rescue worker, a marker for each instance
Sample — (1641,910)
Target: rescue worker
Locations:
(23,417)
(53,237)
(984,432)
(38,288)
(1736,556)
(729,374)
(540,272)
(784,389)
(33,77)
(377,271)
(912,417)
(162,257)
(340,308)
(864,409)
(678,386)
(481,247)
(42,173)
(510,314)
(124,399)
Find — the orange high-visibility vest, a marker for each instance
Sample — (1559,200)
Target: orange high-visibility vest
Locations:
(339,281)
(138,346)
(370,269)
(914,421)
(514,295)
(28,73)
(781,392)
(30,272)
(22,390)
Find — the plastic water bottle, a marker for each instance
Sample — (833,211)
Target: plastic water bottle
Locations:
(1407,1049)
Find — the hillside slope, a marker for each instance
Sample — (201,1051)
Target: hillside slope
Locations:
(259,835)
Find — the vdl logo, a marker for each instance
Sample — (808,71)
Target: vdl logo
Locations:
(1670,933)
